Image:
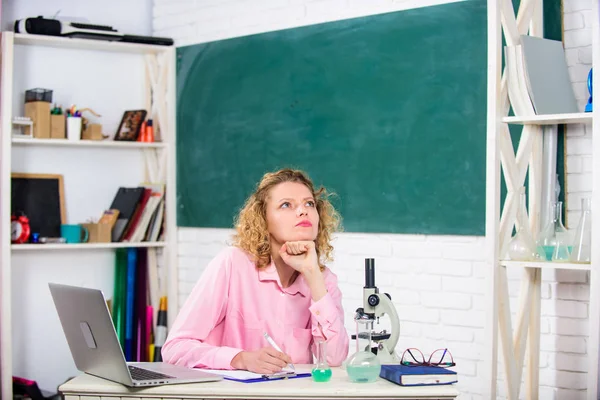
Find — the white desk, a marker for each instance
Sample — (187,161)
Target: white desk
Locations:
(85,387)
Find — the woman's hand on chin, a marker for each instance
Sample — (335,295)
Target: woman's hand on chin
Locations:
(301,255)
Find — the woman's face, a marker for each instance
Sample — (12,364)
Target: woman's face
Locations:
(292,213)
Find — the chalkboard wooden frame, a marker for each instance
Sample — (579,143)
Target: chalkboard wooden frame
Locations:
(60,200)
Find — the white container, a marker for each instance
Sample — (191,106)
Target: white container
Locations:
(74,128)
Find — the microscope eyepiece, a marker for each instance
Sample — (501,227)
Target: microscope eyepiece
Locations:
(370,273)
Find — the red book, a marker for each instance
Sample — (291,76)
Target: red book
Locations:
(136,215)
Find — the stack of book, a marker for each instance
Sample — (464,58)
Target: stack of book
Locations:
(138,304)
(140,213)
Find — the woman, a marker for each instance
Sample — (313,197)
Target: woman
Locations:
(272,281)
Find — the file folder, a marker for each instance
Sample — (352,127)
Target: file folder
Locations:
(251,377)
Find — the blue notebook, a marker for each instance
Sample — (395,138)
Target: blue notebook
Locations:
(251,377)
(418,375)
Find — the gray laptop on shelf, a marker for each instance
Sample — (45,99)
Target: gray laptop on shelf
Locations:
(95,347)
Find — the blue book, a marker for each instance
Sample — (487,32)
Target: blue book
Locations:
(129,302)
(417,375)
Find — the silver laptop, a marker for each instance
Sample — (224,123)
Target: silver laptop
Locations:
(95,347)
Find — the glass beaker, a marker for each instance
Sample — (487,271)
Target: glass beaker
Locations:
(522,247)
(321,372)
(582,244)
(363,366)
(554,238)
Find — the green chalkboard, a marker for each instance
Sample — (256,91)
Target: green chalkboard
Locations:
(387,111)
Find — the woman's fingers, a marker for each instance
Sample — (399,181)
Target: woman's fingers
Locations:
(296,248)
(276,357)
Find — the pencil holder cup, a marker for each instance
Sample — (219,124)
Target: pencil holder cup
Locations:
(73,128)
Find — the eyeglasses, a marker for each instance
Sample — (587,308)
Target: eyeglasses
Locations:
(413,357)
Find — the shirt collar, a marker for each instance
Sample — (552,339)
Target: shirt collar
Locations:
(269,273)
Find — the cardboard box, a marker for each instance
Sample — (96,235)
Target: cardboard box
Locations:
(92,132)
(57,126)
(39,112)
(99,233)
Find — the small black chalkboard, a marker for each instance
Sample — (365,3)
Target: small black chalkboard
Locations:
(41,198)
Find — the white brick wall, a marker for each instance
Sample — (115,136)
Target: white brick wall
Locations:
(436,283)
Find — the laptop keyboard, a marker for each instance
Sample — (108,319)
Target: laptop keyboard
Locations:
(140,374)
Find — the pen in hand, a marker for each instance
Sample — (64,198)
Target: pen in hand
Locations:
(272,343)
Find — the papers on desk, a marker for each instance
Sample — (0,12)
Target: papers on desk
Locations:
(249,377)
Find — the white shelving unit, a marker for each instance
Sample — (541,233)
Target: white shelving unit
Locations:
(545,265)
(149,162)
(87,143)
(83,246)
(521,346)
(579,118)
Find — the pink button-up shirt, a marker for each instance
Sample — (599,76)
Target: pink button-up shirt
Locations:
(234,303)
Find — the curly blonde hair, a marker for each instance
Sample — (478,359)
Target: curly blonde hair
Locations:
(252,234)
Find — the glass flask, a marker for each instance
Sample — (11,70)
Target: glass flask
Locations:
(363,366)
(321,372)
(554,238)
(522,247)
(562,249)
(582,244)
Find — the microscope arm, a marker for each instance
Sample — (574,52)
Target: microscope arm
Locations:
(386,306)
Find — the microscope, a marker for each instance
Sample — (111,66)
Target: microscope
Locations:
(376,305)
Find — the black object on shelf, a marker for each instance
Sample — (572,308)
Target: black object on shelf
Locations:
(38,94)
(53,27)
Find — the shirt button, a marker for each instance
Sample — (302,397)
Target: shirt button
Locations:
(318,312)
(282,294)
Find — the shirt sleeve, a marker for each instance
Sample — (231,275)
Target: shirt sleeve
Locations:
(204,309)
(328,322)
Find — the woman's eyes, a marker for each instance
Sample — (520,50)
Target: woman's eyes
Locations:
(287,204)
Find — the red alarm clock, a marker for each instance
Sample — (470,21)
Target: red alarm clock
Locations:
(19,229)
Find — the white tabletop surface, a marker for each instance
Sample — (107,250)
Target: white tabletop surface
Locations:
(301,388)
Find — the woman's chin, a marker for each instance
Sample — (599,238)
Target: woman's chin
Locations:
(302,238)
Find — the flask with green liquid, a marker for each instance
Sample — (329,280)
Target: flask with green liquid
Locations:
(363,366)
(321,372)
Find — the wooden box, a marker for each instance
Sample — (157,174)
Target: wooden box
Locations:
(39,112)
(57,126)
(92,132)
(99,233)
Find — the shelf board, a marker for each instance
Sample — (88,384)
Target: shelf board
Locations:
(87,44)
(550,119)
(86,143)
(547,265)
(82,246)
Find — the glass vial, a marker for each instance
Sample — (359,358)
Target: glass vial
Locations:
(562,249)
(522,247)
(554,238)
(321,372)
(582,244)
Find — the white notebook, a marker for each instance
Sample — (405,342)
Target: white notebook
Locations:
(547,77)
